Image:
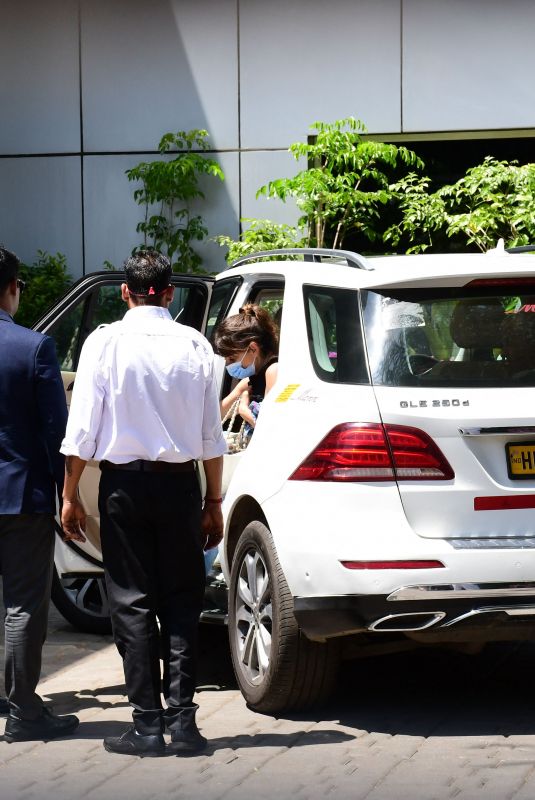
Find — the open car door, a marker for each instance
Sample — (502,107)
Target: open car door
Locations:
(96,300)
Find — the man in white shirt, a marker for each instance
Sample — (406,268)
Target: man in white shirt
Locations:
(145,404)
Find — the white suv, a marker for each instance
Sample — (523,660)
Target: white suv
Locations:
(389,488)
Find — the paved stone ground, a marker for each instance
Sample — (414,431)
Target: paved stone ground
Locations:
(426,725)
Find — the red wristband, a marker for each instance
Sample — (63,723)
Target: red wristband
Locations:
(213,499)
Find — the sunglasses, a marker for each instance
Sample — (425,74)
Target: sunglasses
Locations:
(21,285)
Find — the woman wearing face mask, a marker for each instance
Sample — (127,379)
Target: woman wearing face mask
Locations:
(249,343)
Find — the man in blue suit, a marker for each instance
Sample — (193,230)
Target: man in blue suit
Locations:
(33,416)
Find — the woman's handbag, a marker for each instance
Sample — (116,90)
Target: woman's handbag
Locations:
(236,440)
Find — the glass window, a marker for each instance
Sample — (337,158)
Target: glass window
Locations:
(66,334)
(474,336)
(335,335)
(187,307)
(180,300)
(108,306)
(100,306)
(222,296)
(271,299)
(103,304)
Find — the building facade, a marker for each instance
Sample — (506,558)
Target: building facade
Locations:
(88,87)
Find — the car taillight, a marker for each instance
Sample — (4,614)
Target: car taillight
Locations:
(373,452)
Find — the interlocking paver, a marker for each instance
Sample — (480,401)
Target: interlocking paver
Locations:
(401,739)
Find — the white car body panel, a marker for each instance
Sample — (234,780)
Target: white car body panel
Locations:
(480,461)
(70,561)
(311,545)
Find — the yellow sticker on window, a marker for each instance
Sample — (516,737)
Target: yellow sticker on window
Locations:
(287,392)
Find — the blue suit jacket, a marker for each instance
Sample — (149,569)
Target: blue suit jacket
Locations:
(33,416)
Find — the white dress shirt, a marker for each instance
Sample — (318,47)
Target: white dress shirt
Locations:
(145,389)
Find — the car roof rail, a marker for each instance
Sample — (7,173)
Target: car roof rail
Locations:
(522,248)
(316,254)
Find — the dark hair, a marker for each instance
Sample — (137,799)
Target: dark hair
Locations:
(252,324)
(9,268)
(148,274)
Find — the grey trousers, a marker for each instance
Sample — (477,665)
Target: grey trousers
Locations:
(26,559)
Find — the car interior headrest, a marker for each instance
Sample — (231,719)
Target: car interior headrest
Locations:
(477,323)
(518,332)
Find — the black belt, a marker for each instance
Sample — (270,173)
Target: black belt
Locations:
(150,466)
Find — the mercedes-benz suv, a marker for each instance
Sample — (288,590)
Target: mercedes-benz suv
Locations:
(388,491)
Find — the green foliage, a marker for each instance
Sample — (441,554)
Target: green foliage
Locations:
(262,234)
(168,187)
(46,280)
(423,215)
(346,184)
(494,200)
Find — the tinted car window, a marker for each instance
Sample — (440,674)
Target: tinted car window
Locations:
(103,304)
(451,337)
(335,334)
(108,306)
(222,295)
(66,333)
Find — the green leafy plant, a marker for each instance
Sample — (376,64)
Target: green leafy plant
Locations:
(493,200)
(262,234)
(423,215)
(168,186)
(46,280)
(346,183)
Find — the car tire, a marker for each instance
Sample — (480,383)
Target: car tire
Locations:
(83,602)
(276,666)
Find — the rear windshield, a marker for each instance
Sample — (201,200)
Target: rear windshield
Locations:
(476,336)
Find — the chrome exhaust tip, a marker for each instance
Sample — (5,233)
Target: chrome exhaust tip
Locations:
(412,621)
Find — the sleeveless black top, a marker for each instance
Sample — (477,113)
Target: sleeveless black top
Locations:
(257,382)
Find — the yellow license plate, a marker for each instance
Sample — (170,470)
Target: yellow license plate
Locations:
(520,460)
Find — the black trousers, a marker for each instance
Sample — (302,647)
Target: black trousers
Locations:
(154,567)
(27,558)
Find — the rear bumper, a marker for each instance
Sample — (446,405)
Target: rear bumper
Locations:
(425,608)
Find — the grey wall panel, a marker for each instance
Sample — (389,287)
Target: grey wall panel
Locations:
(468,66)
(258,168)
(40,208)
(307,61)
(39,86)
(111,214)
(219,210)
(150,68)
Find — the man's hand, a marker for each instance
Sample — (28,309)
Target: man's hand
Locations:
(73,521)
(211,525)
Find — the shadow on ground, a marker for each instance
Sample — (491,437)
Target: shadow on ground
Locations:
(424,692)
(300,738)
(437,692)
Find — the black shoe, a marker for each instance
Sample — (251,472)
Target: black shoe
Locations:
(132,743)
(186,742)
(185,736)
(4,705)
(47,726)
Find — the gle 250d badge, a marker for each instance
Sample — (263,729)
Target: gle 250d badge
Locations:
(455,402)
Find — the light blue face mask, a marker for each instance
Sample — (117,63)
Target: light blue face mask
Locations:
(236,370)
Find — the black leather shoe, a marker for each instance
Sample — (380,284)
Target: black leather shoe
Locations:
(47,726)
(186,742)
(4,706)
(185,736)
(132,743)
